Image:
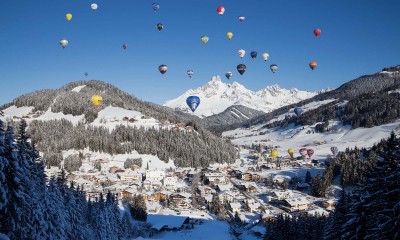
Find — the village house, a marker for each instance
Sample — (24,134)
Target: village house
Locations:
(204,190)
(282,195)
(126,193)
(113,169)
(155,175)
(254,207)
(235,207)
(129,176)
(85,185)
(170,181)
(226,196)
(247,176)
(296,204)
(180,200)
(161,196)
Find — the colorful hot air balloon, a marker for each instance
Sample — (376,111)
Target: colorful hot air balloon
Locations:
(334,151)
(159,26)
(124,46)
(317,32)
(273,68)
(298,111)
(97,100)
(68,16)
(193,102)
(313,65)
(163,69)
(229,35)
(303,152)
(155,6)
(290,151)
(241,68)
(241,53)
(190,73)
(253,55)
(63,43)
(228,75)
(241,18)
(310,152)
(220,10)
(265,56)
(94,6)
(204,39)
(274,153)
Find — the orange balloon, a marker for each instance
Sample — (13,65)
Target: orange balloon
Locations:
(313,65)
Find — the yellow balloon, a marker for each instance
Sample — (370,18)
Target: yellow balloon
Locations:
(68,16)
(229,35)
(96,100)
(274,153)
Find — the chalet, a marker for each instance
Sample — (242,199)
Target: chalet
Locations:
(247,176)
(155,175)
(135,167)
(235,207)
(113,169)
(247,187)
(170,181)
(254,207)
(223,187)
(256,177)
(204,190)
(126,193)
(226,196)
(268,217)
(282,195)
(296,204)
(161,196)
(160,223)
(129,176)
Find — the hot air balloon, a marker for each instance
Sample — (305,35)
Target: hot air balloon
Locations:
(124,46)
(96,100)
(68,16)
(298,111)
(241,53)
(163,69)
(310,152)
(155,6)
(220,10)
(274,153)
(193,102)
(204,39)
(190,72)
(313,65)
(241,68)
(334,151)
(63,43)
(228,75)
(273,68)
(229,35)
(94,6)
(303,152)
(265,56)
(86,73)
(253,55)
(159,26)
(241,18)
(290,151)
(317,32)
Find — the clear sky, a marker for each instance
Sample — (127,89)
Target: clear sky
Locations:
(358,37)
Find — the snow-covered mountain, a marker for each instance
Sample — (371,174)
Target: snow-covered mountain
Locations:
(216,96)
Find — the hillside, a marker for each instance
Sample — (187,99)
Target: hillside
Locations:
(64,119)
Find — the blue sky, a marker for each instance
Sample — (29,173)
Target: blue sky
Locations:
(358,37)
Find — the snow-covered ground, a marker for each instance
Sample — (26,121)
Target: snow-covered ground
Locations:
(296,137)
(78,88)
(216,96)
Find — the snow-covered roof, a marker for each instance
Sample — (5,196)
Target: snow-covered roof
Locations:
(224,187)
(235,205)
(297,201)
(168,221)
(318,211)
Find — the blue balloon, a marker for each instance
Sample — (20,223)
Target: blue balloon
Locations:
(155,6)
(298,111)
(253,55)
(193,102)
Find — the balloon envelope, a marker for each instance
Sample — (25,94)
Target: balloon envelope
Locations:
(290,151)
(310,152)
(163,69)
(273,68)
(159,26)
(253,55)
(265,56)
(241,18)
(298,111)
(241,68)
(229,35)
(313,65)
(193,102)
(155,6)
(317,32)
(204,39)
(241,53)
(303,152)
(228,75)
(220,10)
(97,100)
(124,46)
(94,6)
(68,16)
(190,72)
(274,153)
(63,43)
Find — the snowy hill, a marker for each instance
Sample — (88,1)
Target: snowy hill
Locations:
(216,96)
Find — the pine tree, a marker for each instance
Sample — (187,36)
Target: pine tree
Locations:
(4,164)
